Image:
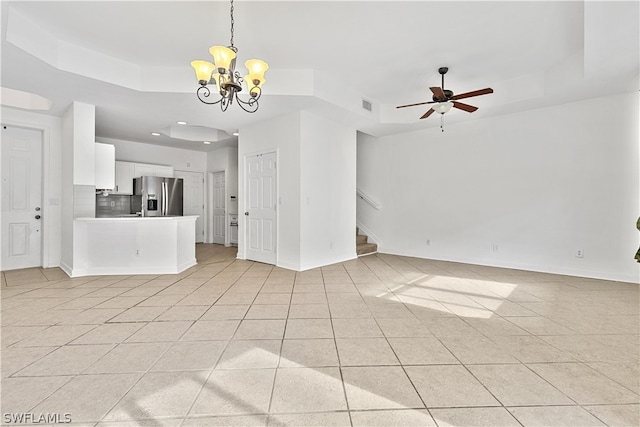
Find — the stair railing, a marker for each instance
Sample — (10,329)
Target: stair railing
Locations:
(368,199)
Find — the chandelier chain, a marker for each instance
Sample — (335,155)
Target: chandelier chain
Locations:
(232,22)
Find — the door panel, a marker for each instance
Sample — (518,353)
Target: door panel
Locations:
(254,234)
(267,235)
(21,198)
(18,239)
(261,207)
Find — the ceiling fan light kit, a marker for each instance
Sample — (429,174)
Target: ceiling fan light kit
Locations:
(442,107)
(222,74)
(444,99)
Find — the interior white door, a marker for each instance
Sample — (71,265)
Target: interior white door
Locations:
(218,199)
(193,198)
(260,207)
(21,198)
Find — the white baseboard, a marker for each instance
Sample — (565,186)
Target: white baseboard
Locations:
(127,271)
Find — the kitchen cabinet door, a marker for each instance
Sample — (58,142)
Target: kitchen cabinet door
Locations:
(105,155)
(164,171)
(124,178)
(142,169)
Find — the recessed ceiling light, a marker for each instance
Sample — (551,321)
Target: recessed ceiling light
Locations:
(236,134)
(206,142)
(155,134)
(181,123)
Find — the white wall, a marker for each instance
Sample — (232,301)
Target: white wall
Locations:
(328,187)
(51,128)
(525,190)
(281,134)
(83,138)
(181,159)
(66,221)
(78,178)
(316,187)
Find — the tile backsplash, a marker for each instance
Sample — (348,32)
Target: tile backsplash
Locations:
(112,205)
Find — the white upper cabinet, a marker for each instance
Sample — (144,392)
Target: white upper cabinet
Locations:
(124,178)
(125,172)
(164,171)
(143,169)
(105,158)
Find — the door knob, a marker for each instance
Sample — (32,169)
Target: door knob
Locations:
(38,209)
(37,216)
(246,213)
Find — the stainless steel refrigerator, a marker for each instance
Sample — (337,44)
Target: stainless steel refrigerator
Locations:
(157,196)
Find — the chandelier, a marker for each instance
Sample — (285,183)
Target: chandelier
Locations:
(222,74)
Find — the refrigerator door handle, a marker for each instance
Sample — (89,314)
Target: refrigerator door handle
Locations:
(164,198)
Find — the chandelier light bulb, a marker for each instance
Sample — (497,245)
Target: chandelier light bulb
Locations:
(256,68)
(222,57)
(203,71)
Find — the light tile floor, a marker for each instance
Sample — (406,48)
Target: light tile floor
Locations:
(381,340)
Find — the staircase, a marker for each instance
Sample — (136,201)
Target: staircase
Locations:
(363,247)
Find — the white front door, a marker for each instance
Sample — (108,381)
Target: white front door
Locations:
(260,207)
(21,198)
(219,223)
(193,198)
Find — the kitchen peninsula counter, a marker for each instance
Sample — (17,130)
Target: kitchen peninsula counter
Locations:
(133,245)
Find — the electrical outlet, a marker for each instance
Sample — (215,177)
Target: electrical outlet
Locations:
(579,253)
(137,252)
(495,248)
(428,242)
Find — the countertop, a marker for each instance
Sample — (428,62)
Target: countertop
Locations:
(140,218)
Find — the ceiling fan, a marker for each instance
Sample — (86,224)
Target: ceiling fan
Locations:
(444,99)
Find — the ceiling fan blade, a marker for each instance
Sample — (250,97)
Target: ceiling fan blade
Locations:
(413,105)
(428,113)
(466,107)
(437,91)
(474,93)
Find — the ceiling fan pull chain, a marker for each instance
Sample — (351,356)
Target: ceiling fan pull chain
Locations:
(441,122)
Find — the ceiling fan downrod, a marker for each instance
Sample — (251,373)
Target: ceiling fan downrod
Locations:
(443,71)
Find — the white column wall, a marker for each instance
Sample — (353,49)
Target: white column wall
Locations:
(83,138)
(78,176)
(525,190)
(280,134)
(328,187)
(316,187)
